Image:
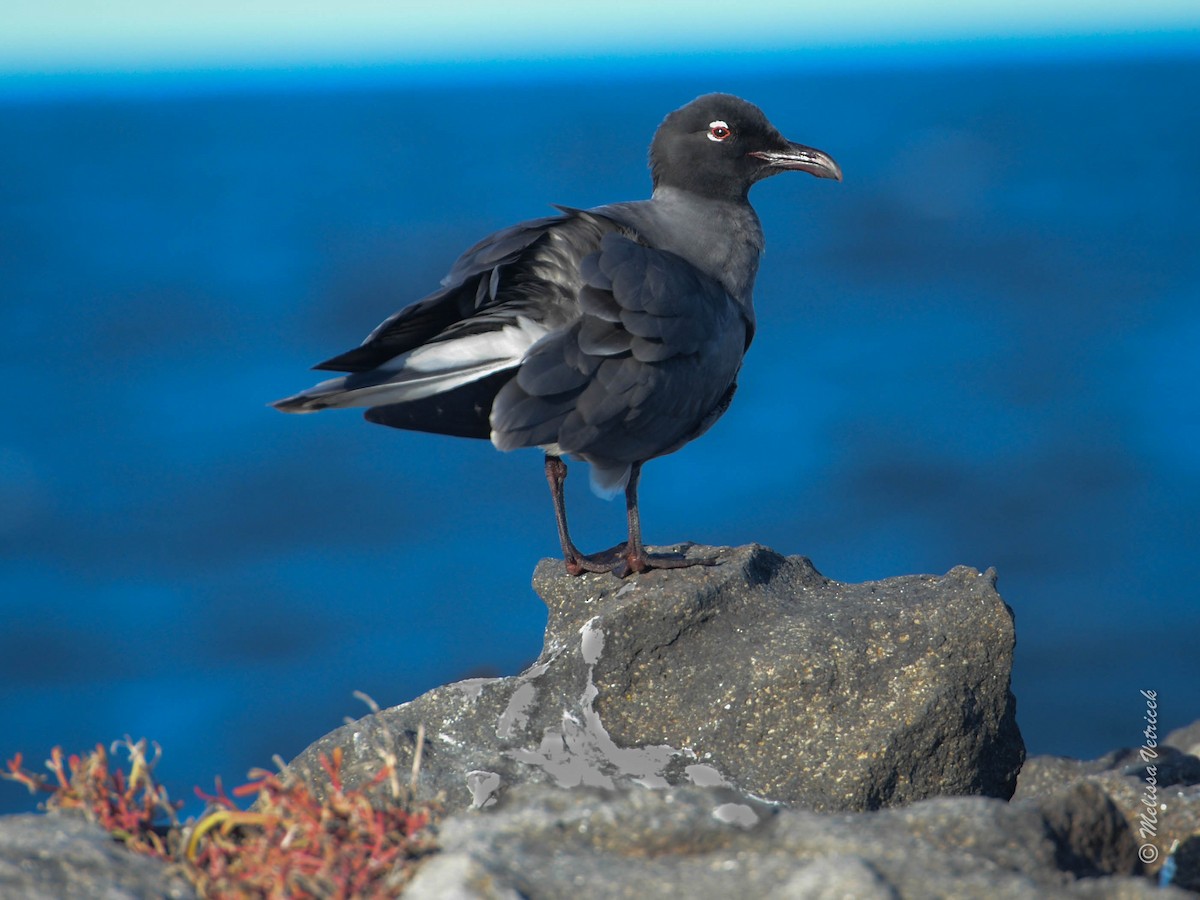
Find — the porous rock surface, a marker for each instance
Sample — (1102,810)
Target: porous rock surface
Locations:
(1129,810)
(757,674)
(61,857)
(543,843)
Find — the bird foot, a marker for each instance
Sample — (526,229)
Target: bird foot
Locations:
(620,562)
(604,561)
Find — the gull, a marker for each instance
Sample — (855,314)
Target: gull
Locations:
(611,335)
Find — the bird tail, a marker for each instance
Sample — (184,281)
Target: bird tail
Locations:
(379,388)
(436,367)
(318,397)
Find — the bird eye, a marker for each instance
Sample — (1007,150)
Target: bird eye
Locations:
(718,131)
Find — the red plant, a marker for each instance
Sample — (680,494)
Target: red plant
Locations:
(132,807)
(290,844)
(294,845)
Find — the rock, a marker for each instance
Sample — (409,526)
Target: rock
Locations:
(748,730)
(1131,810)
(59,857)
(543,843)
(1186,739)
(1090,834)
(453,875)
(759,674)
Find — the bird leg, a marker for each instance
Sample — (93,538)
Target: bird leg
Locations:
(635,558)
(577,563)
(624,559)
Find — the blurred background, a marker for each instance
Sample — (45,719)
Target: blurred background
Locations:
(980,349)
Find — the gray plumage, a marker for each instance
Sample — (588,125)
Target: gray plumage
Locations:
(612,335)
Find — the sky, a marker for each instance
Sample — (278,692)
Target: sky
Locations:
(83,36)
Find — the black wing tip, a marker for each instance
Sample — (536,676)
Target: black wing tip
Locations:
(464,411)
(360,359)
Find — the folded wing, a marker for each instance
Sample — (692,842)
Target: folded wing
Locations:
(444,357)
(649,364)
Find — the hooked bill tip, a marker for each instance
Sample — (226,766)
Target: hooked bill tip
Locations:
(800,158)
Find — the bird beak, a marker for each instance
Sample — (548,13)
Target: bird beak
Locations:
(802,159)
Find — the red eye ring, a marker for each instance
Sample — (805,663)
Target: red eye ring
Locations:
(718,131)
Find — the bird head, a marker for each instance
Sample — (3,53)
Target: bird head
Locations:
(719,146)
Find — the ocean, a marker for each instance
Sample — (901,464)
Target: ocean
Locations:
(980,349)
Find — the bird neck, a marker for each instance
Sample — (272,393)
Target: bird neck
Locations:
(720,237)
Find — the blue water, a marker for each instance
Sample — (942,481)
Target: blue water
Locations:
(981,349)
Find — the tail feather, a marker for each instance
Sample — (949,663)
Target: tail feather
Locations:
(317,397)
(367,390)
(437,367)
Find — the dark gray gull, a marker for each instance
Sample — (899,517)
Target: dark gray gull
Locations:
(612,335)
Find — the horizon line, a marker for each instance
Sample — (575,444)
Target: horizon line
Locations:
(338,71)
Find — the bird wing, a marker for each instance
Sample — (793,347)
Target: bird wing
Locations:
(472,286)
(648,366)
(500,298)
